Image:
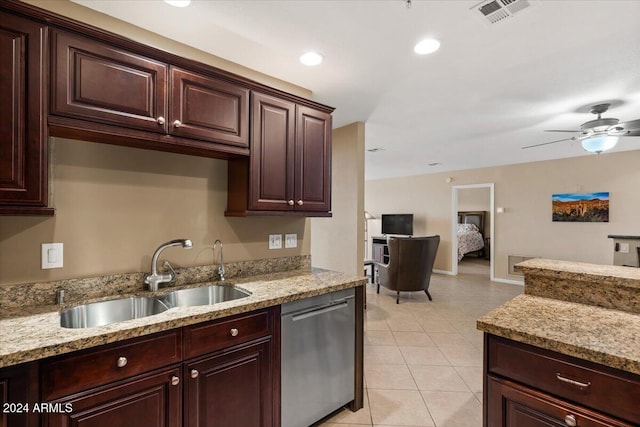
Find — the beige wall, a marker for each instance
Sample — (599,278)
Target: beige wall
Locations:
(524,190)
(337,241)
(116,205)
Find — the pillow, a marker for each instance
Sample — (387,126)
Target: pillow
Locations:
(467,227)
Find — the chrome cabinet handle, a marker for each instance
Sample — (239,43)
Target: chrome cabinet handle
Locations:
(122,362)
(290,202)
(572,382)
(570,420)
(234,332)
(177,124)
(175,380)
(160,120)
(194,373)
(300,202)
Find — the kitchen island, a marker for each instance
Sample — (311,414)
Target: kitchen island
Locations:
(568,350)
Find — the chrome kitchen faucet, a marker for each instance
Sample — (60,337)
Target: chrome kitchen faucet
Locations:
(221,266)
(155,278)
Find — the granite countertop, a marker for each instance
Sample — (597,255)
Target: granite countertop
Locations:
(605,336)
(588,311)
(39,335)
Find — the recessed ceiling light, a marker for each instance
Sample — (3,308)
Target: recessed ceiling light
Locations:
(178,3)
(426,46)
(311,58)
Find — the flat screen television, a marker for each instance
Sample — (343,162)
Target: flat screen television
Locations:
(401,224)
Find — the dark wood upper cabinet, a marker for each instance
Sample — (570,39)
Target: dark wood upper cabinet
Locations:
(290,166)
(209,109)
(107,93)
(313,160)
(64,78)
(23,133)
(99,82)
(272,153)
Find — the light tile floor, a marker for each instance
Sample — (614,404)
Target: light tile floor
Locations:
(423,359)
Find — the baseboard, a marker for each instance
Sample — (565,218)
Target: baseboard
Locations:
(509,281)
(448,273)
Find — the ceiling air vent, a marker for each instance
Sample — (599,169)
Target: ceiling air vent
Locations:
(495,11)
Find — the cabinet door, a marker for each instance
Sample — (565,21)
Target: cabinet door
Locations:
(272,153)
(98,82)
(18,393)
(512,405)
(209,109)
(313,160)
(23,142)
(231,389)
(150,400)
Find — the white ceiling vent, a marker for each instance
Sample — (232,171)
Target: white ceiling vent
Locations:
(495,11)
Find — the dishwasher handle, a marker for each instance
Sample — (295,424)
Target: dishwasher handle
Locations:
(317,311)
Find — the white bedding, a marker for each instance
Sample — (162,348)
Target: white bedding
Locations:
(469,239)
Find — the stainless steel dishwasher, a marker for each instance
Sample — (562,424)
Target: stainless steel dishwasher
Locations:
(318,357)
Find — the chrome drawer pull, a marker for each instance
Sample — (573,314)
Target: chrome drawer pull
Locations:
(570,420)
(572,382)
(122,362)
(234,332)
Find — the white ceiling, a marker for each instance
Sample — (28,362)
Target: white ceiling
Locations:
(488,91)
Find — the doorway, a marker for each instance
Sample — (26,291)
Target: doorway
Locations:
(474,197)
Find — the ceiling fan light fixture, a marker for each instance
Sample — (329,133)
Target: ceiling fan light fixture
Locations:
(598,144)
(426,46)
(178,3)
(311,59)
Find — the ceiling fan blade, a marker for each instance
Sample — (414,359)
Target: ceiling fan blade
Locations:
(562,130)
(552,142)
(632,127)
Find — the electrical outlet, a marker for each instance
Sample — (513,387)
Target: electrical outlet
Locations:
(51,255)
(290,240)
(275,241)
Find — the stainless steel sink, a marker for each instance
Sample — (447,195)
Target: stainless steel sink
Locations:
(205,295)
(106,312)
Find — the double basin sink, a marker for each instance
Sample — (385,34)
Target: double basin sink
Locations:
(119,310)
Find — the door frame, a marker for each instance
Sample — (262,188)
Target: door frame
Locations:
(454,225)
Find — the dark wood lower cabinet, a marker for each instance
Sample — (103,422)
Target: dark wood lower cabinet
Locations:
(526,386)
(18,391)
(514,405)
(149,400)
(232,388)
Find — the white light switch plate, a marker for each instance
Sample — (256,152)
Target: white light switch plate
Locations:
(52,255)
(290,240)
(624,248)
(275,241)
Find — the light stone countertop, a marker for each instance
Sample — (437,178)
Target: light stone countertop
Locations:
(38,336)
(588,311)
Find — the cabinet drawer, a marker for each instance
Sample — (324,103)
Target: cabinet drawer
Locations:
(201,339)
(595,386)
(513,405)
(68,374)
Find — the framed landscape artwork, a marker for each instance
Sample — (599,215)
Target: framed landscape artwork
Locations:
(581,207)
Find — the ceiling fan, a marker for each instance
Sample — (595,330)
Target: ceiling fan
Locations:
(600,134)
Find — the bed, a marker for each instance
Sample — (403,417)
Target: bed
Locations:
(470,233)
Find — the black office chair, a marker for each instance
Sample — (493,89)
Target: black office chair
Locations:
(410,265)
